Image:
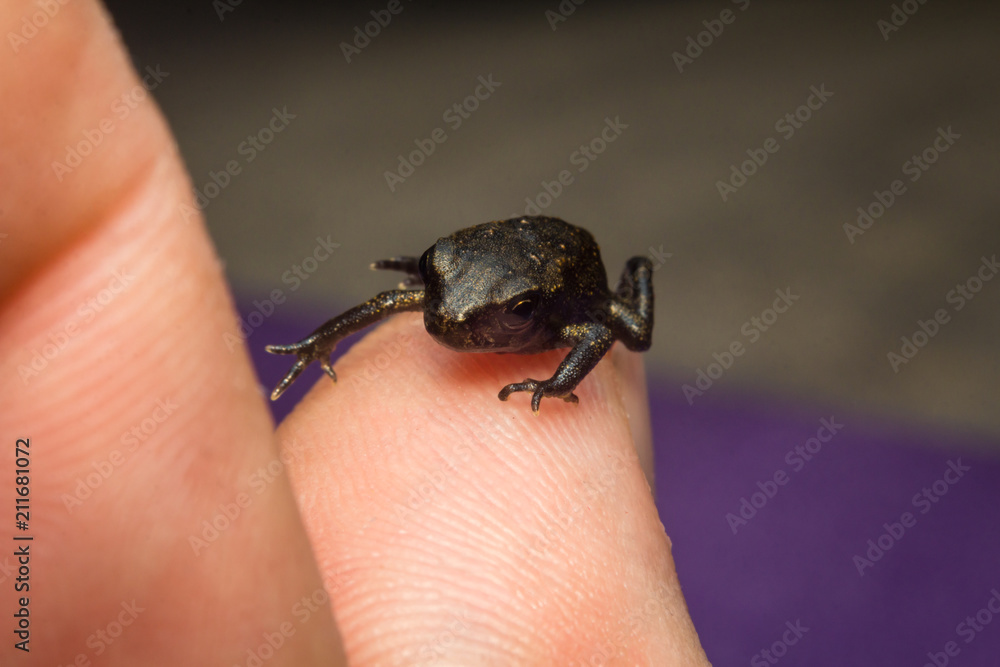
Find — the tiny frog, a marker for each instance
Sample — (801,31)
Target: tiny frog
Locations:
(522,285)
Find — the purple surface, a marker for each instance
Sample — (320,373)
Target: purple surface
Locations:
(792,562)
(794,559)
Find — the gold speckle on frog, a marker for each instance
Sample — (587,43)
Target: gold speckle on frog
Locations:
(523,285)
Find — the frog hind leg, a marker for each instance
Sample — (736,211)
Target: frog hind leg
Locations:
(318,345)
(630,311)
(408,265)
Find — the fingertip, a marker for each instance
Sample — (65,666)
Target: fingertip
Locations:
(631,385)
(433,498)
(83,133)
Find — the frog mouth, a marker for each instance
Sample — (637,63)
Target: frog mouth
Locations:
(464,340)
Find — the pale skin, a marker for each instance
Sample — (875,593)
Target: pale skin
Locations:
(443,523)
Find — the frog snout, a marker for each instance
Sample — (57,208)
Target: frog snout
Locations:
(457,333)
(442,324)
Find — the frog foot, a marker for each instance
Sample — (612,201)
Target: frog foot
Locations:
(307,351)
(539,390)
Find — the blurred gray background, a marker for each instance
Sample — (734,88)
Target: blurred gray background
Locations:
(653,190)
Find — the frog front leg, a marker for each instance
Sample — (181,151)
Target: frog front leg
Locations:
(627,316)
(318,345)
(590,342)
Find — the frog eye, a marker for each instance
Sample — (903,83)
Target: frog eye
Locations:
(523,309)
(517,315)
(422,264)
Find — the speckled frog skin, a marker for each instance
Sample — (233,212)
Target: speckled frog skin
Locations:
(522,285)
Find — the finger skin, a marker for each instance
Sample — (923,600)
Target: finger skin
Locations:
(164,529)
(67,90)
(459,528)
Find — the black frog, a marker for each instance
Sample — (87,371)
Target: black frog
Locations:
(522,285)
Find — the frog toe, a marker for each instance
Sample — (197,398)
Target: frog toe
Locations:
(289,378)
(545,390)
(539,390)
(328,368)
(527,385)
